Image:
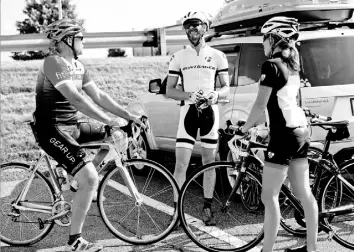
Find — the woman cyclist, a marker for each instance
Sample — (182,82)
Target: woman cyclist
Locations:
(289,136)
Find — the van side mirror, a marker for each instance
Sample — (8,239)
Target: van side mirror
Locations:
(155,86)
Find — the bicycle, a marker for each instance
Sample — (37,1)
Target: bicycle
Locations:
(136,209)
(239,229)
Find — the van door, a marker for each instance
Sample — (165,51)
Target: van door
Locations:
(249,72)
(232,53)
(328,79)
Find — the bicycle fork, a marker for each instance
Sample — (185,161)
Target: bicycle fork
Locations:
(239,178)
(129,182)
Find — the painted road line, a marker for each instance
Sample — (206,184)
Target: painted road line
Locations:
(197,223)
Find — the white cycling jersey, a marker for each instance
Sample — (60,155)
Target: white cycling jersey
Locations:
(198,71)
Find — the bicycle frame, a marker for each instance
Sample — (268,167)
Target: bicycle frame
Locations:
(248,156)
(112,154)
(20,202)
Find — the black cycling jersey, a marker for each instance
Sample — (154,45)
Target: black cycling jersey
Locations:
(289,137)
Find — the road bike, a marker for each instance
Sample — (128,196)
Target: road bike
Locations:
(136,208)
(238,229)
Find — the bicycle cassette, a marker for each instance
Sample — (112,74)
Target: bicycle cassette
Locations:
(62,211)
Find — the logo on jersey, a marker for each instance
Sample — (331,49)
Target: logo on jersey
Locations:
(198,66)
(270,154)
(62,75)
(172,57)
(263,76)
(208,59)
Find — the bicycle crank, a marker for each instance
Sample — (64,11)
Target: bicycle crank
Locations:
(61,213)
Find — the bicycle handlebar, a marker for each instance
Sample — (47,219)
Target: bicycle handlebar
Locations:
(127,128)
(316,117)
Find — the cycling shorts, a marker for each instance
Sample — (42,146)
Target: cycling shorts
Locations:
(58,142)
(207,121)
(288,144)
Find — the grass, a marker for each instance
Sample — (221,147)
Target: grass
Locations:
(125,79)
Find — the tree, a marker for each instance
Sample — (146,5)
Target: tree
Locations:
(40,14)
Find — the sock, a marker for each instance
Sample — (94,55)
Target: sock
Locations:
(73,238)
(207,203)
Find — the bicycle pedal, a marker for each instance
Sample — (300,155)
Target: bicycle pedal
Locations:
(41,223)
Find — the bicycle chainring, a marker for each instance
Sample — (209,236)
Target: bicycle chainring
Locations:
(58,208)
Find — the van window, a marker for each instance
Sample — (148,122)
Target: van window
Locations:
(252,58)
(232,53)
(327,61)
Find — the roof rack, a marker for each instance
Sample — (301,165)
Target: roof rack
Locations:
(255,30)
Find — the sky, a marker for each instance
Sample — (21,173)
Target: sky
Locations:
(116,15)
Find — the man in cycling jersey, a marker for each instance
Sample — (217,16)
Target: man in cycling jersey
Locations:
(58,100)
(199,66)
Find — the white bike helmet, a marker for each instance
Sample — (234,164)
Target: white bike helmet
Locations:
(62,28)
(197,15)
(284,27)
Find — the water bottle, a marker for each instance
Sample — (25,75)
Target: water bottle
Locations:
(63,178)
(120,140)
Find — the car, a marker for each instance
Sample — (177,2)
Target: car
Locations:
(327,79)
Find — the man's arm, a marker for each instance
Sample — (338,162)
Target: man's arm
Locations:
(105,101)
(81,103)
(174,93)
(225,85)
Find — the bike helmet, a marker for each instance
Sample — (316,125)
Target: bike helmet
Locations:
(63,28)
(197,15)
(284,27)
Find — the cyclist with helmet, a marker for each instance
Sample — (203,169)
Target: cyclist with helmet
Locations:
(289,136)
(199,67)
(61,79)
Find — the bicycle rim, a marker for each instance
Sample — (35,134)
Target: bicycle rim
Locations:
(236,230)
(335,193)
(155,218)
(20,227)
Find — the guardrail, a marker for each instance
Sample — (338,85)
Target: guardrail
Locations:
(34,42)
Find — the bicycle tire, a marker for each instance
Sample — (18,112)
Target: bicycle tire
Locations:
(12,176)
(159,189)
(344,235)
(224,236)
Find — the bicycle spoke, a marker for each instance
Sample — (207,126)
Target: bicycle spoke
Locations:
(161,192)
(153,221)
(147,182)
(124,203)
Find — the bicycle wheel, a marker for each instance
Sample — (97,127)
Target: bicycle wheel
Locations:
(21,227)
(125,218)
(334,194)
(236,229)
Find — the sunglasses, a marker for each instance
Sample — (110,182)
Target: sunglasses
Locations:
(190,24)
(79,37)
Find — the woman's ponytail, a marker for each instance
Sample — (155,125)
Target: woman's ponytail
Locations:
(290,55)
